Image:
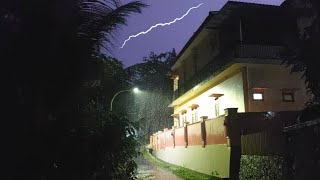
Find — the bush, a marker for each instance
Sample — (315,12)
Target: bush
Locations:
(261,167)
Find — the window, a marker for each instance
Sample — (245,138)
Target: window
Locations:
(181,120)
(175,83)
(194,112)
(288,96)
(258,96)
(176,119)
(183,117)
(194,115)
(176,122)
(216,107)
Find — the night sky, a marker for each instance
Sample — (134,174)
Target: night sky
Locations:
(162,39)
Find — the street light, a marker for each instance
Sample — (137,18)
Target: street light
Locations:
(135,90)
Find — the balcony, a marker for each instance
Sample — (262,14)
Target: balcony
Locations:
(249,51)
(258,51)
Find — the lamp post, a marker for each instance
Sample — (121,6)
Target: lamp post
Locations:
(135,90)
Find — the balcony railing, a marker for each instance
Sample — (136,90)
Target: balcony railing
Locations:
(226,56)
(258,51)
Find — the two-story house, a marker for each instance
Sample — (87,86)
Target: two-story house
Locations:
(233,61)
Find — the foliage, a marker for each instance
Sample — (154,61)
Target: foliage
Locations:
(151,105)
(50,68)
(111,72)
(261,167)
(302,53)
(155,67)
(113,143)
(302,59)
(181,172)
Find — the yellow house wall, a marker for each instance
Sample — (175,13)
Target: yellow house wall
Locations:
(233,97)
(271,79)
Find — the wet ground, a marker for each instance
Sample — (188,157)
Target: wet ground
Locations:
(147,171)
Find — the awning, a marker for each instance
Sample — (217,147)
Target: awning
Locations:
(193,106)
(174,76)
(174,115)
(216,95)
(183,111)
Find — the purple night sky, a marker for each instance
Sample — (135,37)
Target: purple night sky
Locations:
(162,39)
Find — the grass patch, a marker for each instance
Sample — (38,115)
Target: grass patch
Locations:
(179,171)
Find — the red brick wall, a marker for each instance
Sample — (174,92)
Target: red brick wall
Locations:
(216,132)
(179,136)
(194,134)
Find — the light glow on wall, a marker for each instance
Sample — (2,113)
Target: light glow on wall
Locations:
(257,96)
(196,87)
(229,93)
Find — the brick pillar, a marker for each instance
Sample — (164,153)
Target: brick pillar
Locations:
(234,135)
(173,133)
(186,134)
(157,141)
(203,132)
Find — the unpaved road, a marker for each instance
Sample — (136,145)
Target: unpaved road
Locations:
(147,171)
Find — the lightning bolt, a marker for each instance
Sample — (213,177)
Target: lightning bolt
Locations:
(160,24)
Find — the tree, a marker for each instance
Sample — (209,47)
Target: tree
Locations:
(302,54)
(151,106)
(48,50)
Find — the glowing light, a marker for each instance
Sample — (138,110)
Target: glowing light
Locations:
(160,24)
(136,90)
(257,96)
(196,87)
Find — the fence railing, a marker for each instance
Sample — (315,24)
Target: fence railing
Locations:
(261,133)
(248,135)
(202,133)
(258,51)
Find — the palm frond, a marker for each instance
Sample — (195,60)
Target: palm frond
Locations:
(101,19)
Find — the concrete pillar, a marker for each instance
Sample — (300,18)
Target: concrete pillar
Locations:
(234,135)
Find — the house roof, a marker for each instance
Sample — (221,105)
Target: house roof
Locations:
(218,19)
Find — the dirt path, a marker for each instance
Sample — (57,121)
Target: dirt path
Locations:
(147,171)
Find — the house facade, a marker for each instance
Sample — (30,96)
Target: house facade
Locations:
(234,61)
(232,97)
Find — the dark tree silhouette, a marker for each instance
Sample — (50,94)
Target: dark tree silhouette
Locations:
(150,107)
(302,54)
(48,51)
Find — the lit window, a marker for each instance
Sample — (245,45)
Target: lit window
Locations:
(288,97)
(181,120)
(184,118)
(258,96)
(194,116)
(175,83)
(216,107)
